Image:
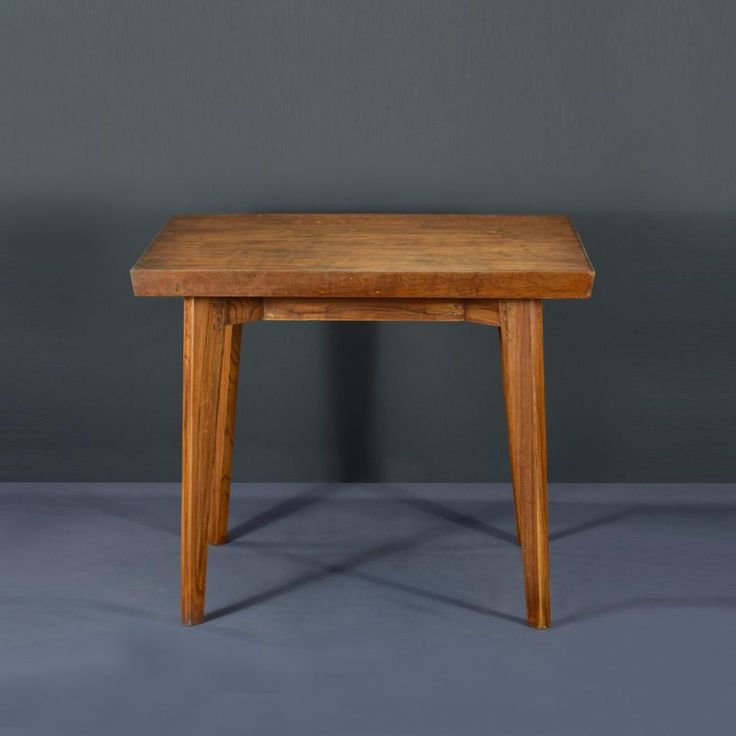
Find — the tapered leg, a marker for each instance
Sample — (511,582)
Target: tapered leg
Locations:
(517,508)
(220,492)
(523,376)
(204,339)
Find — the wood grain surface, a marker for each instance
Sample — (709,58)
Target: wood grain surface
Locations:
(362,310)
(522,361)
(204,341)
(226,409)
(330,255)
(341,309)
(233,269)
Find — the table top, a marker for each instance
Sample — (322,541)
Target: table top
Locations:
(331,255)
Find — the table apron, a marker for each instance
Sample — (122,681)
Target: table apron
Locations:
(238,310)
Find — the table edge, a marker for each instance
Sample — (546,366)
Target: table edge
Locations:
(460,285)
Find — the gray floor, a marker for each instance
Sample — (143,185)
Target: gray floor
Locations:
(364,609)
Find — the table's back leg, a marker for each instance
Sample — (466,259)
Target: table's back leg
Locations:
(204,339)
(220,492)
(523,375)
(517,507)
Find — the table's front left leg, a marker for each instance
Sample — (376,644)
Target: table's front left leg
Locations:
(204,339)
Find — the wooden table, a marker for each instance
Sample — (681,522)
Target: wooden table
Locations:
(232,269)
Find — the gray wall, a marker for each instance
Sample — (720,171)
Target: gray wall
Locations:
(117,114)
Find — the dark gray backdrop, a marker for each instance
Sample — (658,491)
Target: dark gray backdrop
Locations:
(117,114)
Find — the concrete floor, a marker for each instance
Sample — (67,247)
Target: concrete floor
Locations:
(368,609)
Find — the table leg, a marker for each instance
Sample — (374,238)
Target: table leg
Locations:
(220,492)
(517,507)
(523,375)
(204,340)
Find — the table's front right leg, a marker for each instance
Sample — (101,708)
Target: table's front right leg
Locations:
(523,375)
(204,338)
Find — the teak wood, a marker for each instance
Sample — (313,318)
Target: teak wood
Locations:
(406,256)
(233,269)
(204,342)
(222,476)
(522,363)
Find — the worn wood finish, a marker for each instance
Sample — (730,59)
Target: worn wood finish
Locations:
(236,269)
(249,309)
(523,377)
(222,476)
(482,311)
(392,256)
(239,311)
(204,340)
(517,508)
(359,310)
